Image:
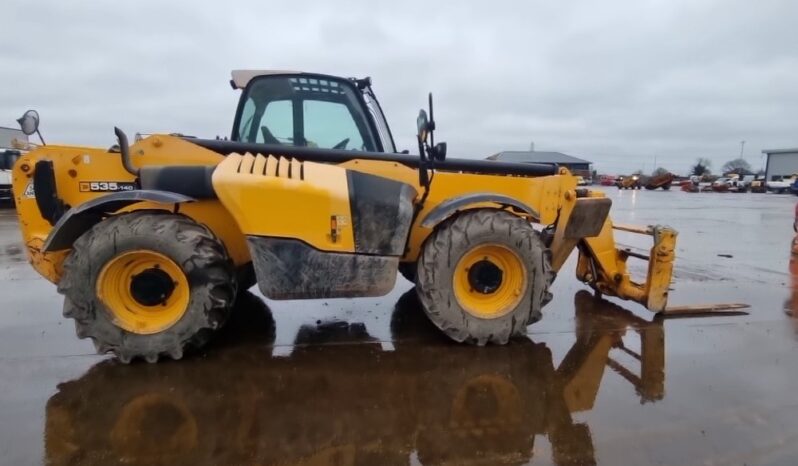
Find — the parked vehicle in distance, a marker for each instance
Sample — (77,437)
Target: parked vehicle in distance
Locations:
(721,185)
(607,180)
(732,183)
(629,182)
(781,186)
(7,160)
(661,181)
(727,184)
(690,185)
(738,185)
(5,187)
(757,185)
(581,181)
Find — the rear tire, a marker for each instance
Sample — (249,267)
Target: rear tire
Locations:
(491,307)
(201,273)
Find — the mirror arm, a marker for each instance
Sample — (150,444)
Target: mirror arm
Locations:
(40,137)
(423,176)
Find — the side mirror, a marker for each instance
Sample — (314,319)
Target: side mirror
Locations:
(29,122)
(439,152)
(422,123)
(427,154)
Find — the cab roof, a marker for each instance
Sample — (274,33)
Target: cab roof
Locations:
(240,78)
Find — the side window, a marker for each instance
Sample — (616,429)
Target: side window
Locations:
(329,125)
(247,115)
(277,123)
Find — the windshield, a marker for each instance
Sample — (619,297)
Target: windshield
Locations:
(300,111)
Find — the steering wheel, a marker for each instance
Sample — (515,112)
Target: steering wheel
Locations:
(341,145)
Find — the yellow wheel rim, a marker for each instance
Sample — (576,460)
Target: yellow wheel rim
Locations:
(144,291)
(489,281)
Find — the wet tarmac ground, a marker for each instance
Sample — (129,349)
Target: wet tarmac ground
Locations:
(371,382)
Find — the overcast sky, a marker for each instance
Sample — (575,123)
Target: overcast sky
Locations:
(618,83)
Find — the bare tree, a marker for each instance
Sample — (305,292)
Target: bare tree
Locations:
(738,166)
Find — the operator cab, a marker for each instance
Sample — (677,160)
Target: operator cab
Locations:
(321,118)
(309,110)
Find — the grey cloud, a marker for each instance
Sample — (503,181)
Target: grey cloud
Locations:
(618,82)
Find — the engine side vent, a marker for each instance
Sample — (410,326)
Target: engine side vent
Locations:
(270,165)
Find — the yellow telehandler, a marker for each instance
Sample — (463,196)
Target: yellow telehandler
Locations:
(149,243)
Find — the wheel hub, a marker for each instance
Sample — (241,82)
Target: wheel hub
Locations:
(151,287)
(485,277)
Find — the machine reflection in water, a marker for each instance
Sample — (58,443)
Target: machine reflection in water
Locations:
(352,403)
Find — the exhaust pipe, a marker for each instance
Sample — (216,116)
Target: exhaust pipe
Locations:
(124,149)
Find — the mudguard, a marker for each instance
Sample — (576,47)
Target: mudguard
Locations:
(80,219)
(449,207)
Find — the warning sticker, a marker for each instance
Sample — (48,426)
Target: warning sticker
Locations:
(29,192)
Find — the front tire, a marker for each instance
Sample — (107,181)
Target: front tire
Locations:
(484,276)
(148,284)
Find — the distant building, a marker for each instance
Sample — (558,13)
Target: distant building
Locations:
(780,163)
(577,166)
(9,134)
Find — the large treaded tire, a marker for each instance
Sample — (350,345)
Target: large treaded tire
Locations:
(201,257)
(438,260)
